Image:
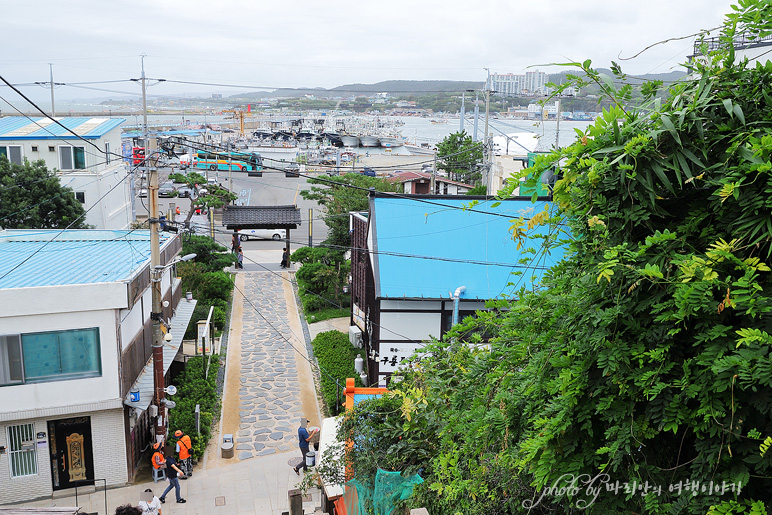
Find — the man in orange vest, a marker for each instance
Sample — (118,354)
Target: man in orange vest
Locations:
(158,456)
(183,451)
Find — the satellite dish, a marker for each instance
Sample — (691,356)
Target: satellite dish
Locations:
(171,389)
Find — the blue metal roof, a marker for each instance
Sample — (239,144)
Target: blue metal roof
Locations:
(44,257)
(23,128)
(427,246)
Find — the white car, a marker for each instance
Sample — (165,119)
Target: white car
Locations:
(262,234)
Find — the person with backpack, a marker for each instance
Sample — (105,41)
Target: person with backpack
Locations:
(183,448)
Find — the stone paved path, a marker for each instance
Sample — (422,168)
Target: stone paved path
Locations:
(269,394)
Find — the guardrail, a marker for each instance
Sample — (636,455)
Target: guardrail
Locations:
(92,481)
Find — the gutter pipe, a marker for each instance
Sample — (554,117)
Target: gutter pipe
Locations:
(456,295)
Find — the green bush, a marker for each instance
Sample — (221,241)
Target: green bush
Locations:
(194,388)
(335,356)
(321,278)
(205,278)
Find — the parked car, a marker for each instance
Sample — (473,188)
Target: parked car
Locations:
(186,192)
(166,189)
(292,170)
(142,192)
(368,172)
(202,192)
(262,234)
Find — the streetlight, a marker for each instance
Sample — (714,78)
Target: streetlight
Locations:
(158,344)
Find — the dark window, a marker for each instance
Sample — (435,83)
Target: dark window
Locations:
(34,148)
(81,196)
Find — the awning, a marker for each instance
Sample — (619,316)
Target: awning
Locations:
(144,382)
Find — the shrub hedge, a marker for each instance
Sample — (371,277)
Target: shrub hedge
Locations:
(194,388)
(335,356)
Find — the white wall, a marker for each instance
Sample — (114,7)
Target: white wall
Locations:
(409,326)
(108,447)
(59,299)
(18,398)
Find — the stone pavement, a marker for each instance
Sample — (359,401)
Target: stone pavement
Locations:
(269,393)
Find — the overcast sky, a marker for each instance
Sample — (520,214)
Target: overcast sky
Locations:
(329,43)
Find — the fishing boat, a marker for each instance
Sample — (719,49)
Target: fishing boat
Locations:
(368,140)
(390,140)
(349,140)
(424,149)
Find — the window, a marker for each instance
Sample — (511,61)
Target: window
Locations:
(80,196)
(34,148)
(107,153)
(57,355)
(12,153)
(10,360)
(72,158)
(52,149)
(49,356)
(21,445)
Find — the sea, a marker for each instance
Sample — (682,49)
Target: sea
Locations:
(415,129)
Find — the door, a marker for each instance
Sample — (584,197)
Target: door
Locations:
(72,460)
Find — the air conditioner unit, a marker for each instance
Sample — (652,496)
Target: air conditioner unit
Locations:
(355,336)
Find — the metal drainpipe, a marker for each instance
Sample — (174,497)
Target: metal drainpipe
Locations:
(456,295)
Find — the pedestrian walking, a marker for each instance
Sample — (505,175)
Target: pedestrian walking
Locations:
(285,258)
(240,259)
(235,242)
(173,472)
(149,503)
(183,452)
(303,438)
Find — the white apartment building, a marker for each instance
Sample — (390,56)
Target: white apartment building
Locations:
(91,168)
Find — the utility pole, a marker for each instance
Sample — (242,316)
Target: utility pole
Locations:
(53,110)
(476,113)
(434,173)
(156,271)
(557,126)
(487,149)
(461,128)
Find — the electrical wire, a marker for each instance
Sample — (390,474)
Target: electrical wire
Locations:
(85,212)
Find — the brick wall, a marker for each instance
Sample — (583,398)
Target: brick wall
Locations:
(108,447)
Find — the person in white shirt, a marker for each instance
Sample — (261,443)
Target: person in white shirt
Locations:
(150,503)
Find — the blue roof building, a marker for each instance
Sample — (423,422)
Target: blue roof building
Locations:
(86,154)
(75,339)
(420,260)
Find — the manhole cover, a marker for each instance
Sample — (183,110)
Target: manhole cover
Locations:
(294,462)
(219,501)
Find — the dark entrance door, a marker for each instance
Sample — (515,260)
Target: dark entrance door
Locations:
(72,460)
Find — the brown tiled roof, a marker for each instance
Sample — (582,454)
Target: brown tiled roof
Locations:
(261,217)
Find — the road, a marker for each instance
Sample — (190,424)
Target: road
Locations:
(272,189)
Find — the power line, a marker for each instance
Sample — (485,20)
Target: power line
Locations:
(85,212)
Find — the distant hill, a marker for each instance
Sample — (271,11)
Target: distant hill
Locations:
(414,87)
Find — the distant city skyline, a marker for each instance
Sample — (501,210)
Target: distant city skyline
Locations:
(95,47)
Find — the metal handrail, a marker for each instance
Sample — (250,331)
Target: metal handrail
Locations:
(91,481)
(739,41)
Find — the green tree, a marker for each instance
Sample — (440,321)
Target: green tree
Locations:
(322,275)
(339,195)
(461,157)
(644,360)
(205,278)
(31,197)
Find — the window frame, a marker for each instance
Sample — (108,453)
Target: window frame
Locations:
(72,157)
(7,153)
(26,375)
(18,450)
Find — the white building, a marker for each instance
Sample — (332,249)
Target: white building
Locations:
(91,168)
(75,338)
